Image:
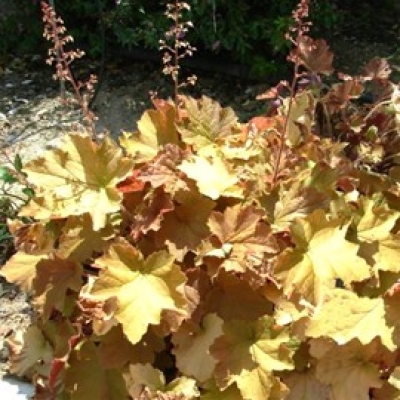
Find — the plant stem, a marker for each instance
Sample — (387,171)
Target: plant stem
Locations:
(286,125)
(62,83)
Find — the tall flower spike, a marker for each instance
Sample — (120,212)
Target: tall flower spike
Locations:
(55,32)
(175,46)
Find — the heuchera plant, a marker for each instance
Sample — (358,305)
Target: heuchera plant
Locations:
(211,259)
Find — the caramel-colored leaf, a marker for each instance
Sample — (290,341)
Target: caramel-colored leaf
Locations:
(314,55)
(54,279)
(183,229)
(79,240)
(242,236)
(87,379)
(348,370)
(192,348)
(306,386)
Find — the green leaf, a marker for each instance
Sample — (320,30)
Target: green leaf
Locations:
(18,163)
(7,176)
(28,192)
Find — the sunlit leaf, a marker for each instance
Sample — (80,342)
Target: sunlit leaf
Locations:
(321,255)
(20,269)
(28,350)
(144,288)
(213,176)
(300,118)
(357,315)
(156,128)
(348,370)
(78,178)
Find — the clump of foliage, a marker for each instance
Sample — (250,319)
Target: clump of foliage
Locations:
(209,259)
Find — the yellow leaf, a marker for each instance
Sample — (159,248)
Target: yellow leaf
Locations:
(156,128)
(144,288)
(376,222)
(192,348)
(79,178)
(322,255)
(394,378)
(182,387)
(357,316)
(256,384)
(213,176)
(387,256)
(301,116)
(214,393)
(20,269)
(144,378)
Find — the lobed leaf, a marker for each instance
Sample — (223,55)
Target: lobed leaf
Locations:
(156,128)
(213,175)
(79,178)
(143,288)
(207,122)
(322,254)
(357,315)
